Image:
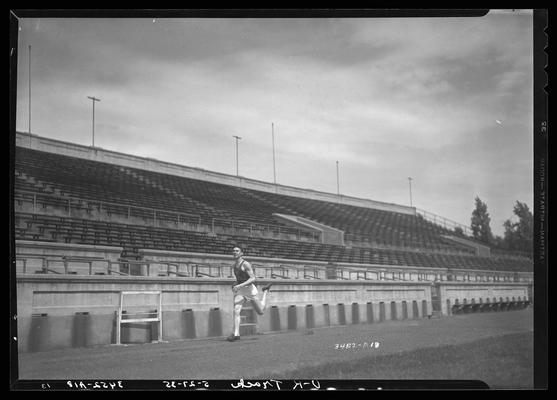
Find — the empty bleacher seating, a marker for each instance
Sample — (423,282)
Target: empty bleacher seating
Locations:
(381,237)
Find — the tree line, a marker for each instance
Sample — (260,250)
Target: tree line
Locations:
(518,235)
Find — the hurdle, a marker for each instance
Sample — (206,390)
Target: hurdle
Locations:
(149,317)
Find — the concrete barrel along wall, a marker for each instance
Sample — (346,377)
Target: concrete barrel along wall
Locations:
(332,303)
(57,311)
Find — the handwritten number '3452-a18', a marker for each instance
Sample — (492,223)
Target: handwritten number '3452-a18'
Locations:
(95,385)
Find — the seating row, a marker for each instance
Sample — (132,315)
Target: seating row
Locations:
(82,231)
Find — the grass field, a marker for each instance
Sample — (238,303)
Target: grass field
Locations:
(468,361)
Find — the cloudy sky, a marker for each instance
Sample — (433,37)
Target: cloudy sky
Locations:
(446,101)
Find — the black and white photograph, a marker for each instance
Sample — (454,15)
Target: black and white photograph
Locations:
(271,200)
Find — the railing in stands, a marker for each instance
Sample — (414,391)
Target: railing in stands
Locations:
(61,265)
(449,224)
(442,221)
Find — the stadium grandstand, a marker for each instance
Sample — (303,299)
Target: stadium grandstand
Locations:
(111,245)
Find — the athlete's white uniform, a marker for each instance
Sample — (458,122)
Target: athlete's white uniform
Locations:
(249,292)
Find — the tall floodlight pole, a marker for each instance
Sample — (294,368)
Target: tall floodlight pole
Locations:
(29,88)
(93,99)
(338,185)
(237,138)
(274,166)
(410,184)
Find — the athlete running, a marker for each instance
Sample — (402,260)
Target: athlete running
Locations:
(245,290)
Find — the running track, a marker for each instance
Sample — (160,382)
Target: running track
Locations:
(266,355)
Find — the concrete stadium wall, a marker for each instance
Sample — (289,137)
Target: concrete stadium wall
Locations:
(36,142)
(479,292)
(51,307)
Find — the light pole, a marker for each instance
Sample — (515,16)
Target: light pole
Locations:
(338,185)
(93,99)
(237,138)
(410,184)
(29,88)
(274,166)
